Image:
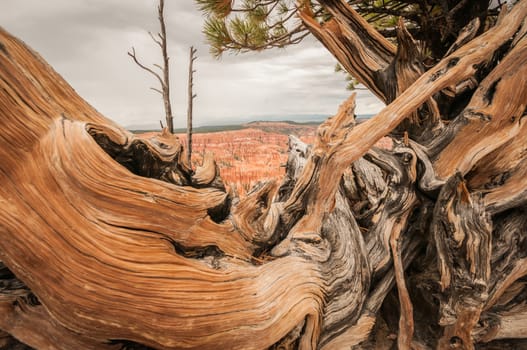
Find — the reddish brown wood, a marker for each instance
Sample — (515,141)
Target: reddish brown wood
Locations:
(109,238)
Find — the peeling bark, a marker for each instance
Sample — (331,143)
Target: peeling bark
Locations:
(462,232)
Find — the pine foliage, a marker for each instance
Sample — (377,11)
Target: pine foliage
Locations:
(253,25)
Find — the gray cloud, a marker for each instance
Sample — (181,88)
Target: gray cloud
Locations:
(87,41)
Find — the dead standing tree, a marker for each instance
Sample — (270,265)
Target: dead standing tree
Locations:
(164,81)
(191,97)
(110,239)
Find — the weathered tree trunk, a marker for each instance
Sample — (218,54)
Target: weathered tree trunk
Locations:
(109,239)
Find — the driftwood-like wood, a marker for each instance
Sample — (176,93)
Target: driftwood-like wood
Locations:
(358,47)
(110,240)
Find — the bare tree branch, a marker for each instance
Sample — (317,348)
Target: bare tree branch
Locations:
(165,80)
(158,42)
(134,57)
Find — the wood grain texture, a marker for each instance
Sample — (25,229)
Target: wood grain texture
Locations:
(111,240)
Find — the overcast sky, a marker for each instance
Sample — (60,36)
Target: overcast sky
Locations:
(86,41)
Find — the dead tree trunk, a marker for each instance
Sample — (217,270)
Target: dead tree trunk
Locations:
(191,97)
(109,239)
(161,40)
